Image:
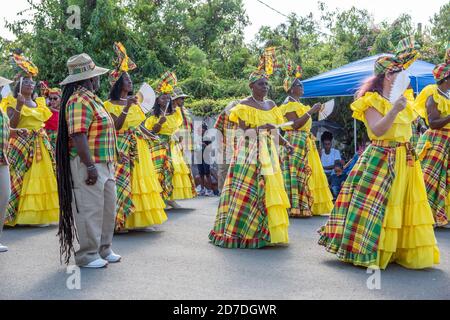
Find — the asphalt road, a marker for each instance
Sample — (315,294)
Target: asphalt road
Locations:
(178,262)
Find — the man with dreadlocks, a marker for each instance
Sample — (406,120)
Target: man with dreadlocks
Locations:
(382,214)
(86,154)
(34,197)
(433,104)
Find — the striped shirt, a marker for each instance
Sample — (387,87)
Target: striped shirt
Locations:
(86,114)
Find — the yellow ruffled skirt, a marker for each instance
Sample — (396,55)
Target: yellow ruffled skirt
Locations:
(38,203)
(182,177)
(318,183)
(145,191)
(276,198)
(407,236)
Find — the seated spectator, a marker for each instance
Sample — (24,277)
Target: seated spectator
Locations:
(329,155)
(337,179)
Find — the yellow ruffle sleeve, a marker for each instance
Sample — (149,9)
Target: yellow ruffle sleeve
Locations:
(134,117)
(173,123)
(382,105)
(300,109)
(420,104)
(253,117)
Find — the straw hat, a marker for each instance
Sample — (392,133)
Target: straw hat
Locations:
(82,67)
(178,93)
(4,81)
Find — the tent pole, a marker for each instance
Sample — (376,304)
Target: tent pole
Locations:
(355,138)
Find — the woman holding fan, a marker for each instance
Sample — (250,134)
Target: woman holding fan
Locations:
(304,178)
(382,214)
(139,201)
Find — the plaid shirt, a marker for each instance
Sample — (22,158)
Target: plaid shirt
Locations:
(86,114)
(4,137)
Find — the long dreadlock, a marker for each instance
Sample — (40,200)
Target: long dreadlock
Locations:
(67,232)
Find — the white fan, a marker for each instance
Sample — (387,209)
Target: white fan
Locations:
(327,110)
(147,97)
(399,86)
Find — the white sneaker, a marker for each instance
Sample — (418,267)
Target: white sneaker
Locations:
(96,264)
(209,193)
(198,189)
(447,226)
(113,258)
(3,248)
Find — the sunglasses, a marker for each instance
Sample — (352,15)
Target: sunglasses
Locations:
(53,99)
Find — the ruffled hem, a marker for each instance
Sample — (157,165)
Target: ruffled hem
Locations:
(299,213)
(35,217)
(40,202)
(223,241)
(182,193)
(278,221)
(147,201)
(143,219)
(383,106)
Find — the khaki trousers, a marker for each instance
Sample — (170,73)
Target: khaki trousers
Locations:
(5,192)
(94,211)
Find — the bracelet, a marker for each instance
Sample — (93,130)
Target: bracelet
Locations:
(125,113)
(91,167)
(309,114)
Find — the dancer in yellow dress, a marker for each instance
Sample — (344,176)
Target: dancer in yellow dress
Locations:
(304,177)
(139,201)
(433,104)
(175,175)
(382,214)
(253,208)
(34,196)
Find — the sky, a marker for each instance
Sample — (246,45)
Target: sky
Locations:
(260,15)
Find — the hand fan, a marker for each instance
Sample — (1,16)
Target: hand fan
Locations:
(146,97)
(327,110)
(399,86)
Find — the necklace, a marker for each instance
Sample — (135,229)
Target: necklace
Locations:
(443,93)
(260,103)
(296,100)
(123,99)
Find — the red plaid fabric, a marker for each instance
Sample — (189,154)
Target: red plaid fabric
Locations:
(86,114)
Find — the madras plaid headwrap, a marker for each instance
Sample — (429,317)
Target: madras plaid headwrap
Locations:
(291,75)
(241,220)
(86,114)
(24,64)
(354,227)
(4,137)
(297,172)
(406,53)
(167,82)
(122,63)
(434,152)
(21,153)
(257,75)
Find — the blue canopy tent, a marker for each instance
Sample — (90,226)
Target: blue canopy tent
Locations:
(346,80)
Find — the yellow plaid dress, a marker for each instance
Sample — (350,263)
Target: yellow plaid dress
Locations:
(34,193)
(175,176)
(253,205)
(382,214)
(304,177)
(433,149)
(139,200)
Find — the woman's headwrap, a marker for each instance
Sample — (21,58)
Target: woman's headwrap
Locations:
(122,63)
(268,64)
(46,90)
(292,74)
(24,66)
(405,55)
(167,83)
(442,71)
